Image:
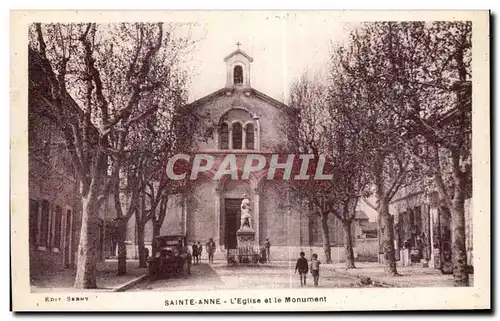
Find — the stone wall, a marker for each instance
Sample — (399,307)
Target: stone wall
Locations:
(367,248)
(273,214)
(336,231)
(273,120)
(291,253)
(51,180)
(201,218)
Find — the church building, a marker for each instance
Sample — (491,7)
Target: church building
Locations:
(238,119)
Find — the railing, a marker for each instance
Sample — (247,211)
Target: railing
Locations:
(243,255)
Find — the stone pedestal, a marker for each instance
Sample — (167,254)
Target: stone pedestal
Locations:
(246,244)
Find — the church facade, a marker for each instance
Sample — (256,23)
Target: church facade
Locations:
(238,119)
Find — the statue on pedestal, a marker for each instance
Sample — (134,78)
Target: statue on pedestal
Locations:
(246,217)
(246,234)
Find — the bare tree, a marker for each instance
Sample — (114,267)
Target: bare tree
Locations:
(307,136)
(167,134)
(90,81)
(347,143)
(152,139)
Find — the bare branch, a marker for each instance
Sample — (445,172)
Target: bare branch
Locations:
(142,115)
(375,207)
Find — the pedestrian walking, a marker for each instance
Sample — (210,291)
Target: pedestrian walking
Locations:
(302,267)
(315,268)
(195,253)
(210,250)
(200,250)
(267,244)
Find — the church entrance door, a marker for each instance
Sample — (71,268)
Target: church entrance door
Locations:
(232,221)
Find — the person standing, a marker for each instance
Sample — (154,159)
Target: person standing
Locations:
(195,253)
(210,250)
(200,250)
(302,267)
(315,268)
(267,244)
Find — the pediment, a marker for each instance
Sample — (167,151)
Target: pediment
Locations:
(237,101)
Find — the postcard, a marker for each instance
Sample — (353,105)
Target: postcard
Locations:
(250,160)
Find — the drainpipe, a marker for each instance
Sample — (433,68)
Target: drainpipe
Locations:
(257,138)
(103,250)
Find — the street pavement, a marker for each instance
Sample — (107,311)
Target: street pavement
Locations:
(107,280)
(268,276)
(263,276)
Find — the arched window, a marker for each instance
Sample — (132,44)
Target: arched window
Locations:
(250,137)
(224,136)
(238,75)
(237,136)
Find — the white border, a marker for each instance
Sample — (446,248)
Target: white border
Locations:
(310,4)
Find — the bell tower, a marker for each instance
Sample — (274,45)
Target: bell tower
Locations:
(238,65)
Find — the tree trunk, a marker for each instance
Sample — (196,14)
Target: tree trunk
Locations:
(113,244)
(156,232)
(388,239)
(457,211)
(380,238)
(87,248)
(140,222)
(348,249)
(326,237)
(140,244)
(459,252)
(121,233)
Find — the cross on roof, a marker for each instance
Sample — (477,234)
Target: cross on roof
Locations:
(238,44)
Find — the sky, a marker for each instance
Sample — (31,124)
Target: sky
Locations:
(283,46)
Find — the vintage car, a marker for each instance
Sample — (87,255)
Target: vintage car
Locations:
(172,257)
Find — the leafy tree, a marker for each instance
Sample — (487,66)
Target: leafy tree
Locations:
(366,60)
(418,100)
(436,75)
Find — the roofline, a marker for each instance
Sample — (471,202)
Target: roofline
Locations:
(270,99)
(206,98)
(237,51)
(256,92)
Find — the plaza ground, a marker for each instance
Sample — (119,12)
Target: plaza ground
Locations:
(281,275)
(410,276)
(220,276)
(107,280)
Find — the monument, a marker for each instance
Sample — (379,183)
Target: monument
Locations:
(246,234)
